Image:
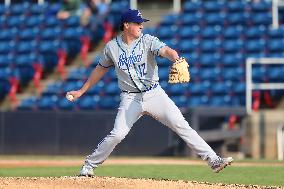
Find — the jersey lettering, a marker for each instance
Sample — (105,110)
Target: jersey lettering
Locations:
(124,61)
(142,69)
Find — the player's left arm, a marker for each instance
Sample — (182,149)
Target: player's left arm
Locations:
(169,53)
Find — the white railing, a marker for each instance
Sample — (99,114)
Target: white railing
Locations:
(259,86)
(280,142)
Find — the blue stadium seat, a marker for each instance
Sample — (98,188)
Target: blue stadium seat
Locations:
(72,21)
(233,59)
(7,47)
(29,34)
(64,104)
(237,18)
(213,6)
(166,32)
(14,21)
(109,102)
(51,33)
(150,31)
(78,73)
(6,35)
(257,45)
(210,45)
(111,88)
(190,6)
(256,32)
(26,47)
(54,88)
(222,88)
(233,32)
(188,32)
(275,45)
(233,45)
(178,89)
(70,86)
(187,46)
(234,74)
(210,59)
(199,88)
(259,73)
(261,6)
(163,62)
(170,20)
(47,102)
(211,32)
(16,9)
(38,9)
(51,21)
(28,104)
(197,101)
(214,19)
(276,33)
(35,21)
(163,73)
(187,19)
(212,74)
(239,88)
(261,19)
(236,6)
(6,60)
(275,73)
(88,102)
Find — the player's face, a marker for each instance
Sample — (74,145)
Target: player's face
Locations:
(135,29)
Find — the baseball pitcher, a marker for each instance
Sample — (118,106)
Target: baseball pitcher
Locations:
(132,54)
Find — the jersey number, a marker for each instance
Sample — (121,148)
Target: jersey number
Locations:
(142,69)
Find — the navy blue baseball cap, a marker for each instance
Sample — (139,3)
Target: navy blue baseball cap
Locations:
(132,15)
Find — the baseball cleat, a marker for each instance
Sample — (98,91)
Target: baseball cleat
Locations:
(86,171)
(220,163)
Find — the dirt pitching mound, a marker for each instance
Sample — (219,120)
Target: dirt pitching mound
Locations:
(108,183)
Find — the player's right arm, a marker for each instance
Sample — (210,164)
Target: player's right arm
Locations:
(95,76)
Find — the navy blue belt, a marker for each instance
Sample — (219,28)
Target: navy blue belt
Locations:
(150,88)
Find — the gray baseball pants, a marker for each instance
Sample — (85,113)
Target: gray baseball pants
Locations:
(156,103)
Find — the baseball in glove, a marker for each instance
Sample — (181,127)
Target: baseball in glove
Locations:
(179,72)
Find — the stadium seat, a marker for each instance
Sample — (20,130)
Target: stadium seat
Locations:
(187,46)
(54,88)
(28,104)
(256,32)
(261,6)
(233,59)
(64,104)
(236,6)
(178,89)
(189,19)
(257,45)
(163,73)
(276,33)
(189,32)
(191,7)
(210,45)
(214,19)
(170,20)
(233,32)
(211,32)
(213,6)
(233,45)
(47,102)
(237,18)
(165,32)
(210,59)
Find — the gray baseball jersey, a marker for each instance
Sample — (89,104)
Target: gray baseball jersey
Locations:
(135,64)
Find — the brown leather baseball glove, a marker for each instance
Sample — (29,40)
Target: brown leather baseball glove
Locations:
(179,72)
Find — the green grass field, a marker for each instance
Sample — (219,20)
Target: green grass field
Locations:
(253,175)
